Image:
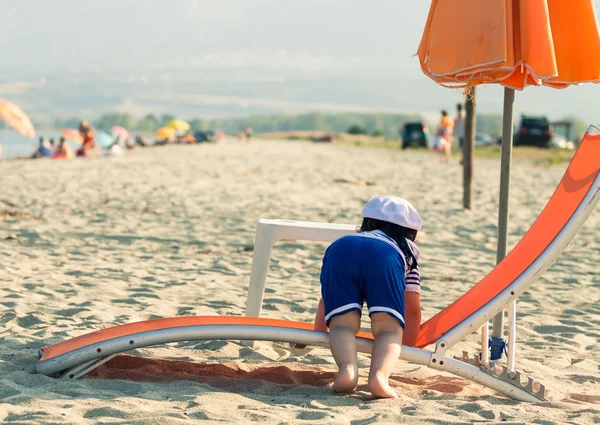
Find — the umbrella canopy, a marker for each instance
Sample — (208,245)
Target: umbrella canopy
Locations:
(179,125)
(515,43)
(105,140)
(165,133)
(72,134)
(121,132)
(14,117)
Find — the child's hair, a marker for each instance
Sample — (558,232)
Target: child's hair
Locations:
(398,233)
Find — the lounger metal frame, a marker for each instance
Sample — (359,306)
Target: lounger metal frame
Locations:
(76,364)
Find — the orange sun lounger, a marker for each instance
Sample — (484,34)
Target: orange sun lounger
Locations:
(562,218)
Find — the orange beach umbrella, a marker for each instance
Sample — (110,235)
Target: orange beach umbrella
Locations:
(514,43)
(12,115)
(72,134)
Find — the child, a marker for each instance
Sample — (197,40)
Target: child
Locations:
(377,264)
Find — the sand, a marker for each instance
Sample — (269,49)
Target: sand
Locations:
(169,231)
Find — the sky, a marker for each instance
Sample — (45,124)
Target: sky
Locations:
(123,33)
(359,38)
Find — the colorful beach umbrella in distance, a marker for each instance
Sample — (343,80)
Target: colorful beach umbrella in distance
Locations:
(15,118)
(514,43)
(72,134)
(165,133)
(105,140)
(179,125)
(121,132)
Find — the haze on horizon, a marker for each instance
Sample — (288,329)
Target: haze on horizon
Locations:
(263,40)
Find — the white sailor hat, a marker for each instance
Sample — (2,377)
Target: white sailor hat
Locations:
(393,209)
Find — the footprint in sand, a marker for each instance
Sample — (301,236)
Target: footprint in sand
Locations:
(585,398)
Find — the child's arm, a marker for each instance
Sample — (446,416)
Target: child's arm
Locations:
(412,308)
(412,317)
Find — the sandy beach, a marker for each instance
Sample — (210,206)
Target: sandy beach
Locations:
(161,232)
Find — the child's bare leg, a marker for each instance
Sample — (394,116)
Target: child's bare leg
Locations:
(342,341)
(386,351)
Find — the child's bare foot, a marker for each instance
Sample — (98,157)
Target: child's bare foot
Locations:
(346,380)
(380,388)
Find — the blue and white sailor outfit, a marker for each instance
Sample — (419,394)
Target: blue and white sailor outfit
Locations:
(367,266)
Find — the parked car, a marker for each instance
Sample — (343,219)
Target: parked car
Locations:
(534,131)
(327,138)
(414,134)
(204,136)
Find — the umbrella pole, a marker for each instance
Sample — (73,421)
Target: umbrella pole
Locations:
(469,148)
(507,143)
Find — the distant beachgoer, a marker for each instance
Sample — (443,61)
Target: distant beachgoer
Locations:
(248,133)
(44,150)
(115,149)
(129,144)
(63,151)
(83,151)
(446,132)
(52,144)
(87,134)
(139,140)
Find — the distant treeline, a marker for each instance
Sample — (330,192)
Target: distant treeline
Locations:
(385,124)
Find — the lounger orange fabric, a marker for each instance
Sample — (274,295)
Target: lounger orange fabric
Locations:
(574,186)
(515,43)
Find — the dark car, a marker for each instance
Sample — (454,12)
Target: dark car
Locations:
(414,134)
(204,136)
(534,131)
(327,138)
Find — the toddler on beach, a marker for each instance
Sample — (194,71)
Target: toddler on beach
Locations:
(378,264)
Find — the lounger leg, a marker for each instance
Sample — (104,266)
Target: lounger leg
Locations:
(512,336)
(85,368)
(263,243)
(485,343)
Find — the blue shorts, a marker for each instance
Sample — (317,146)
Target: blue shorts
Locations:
(358,268)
